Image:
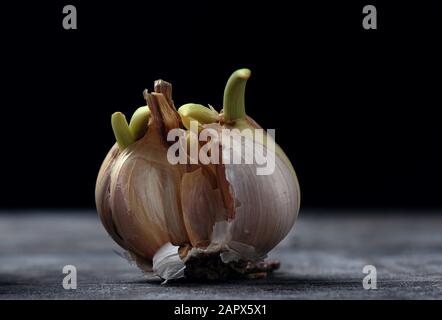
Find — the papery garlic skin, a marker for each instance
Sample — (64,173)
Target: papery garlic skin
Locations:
(164,214)
(102,195)
(268,209)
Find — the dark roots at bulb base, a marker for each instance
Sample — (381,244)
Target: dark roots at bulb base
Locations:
(210,267)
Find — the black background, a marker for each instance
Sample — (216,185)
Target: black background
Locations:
(355,110)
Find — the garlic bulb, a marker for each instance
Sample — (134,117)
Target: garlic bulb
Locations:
(201,214)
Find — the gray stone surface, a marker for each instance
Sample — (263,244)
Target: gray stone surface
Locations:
(321,259)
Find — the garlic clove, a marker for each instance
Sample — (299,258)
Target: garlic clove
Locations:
(271,208)
(102,195)
(201,205)
(263,208)
(103,203)
(167,177)
(142,228)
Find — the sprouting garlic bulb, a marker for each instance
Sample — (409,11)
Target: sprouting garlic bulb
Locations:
(164,214)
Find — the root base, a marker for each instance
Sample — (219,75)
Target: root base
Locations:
(211,267)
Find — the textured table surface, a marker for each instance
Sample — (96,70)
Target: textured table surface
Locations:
(322,258)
